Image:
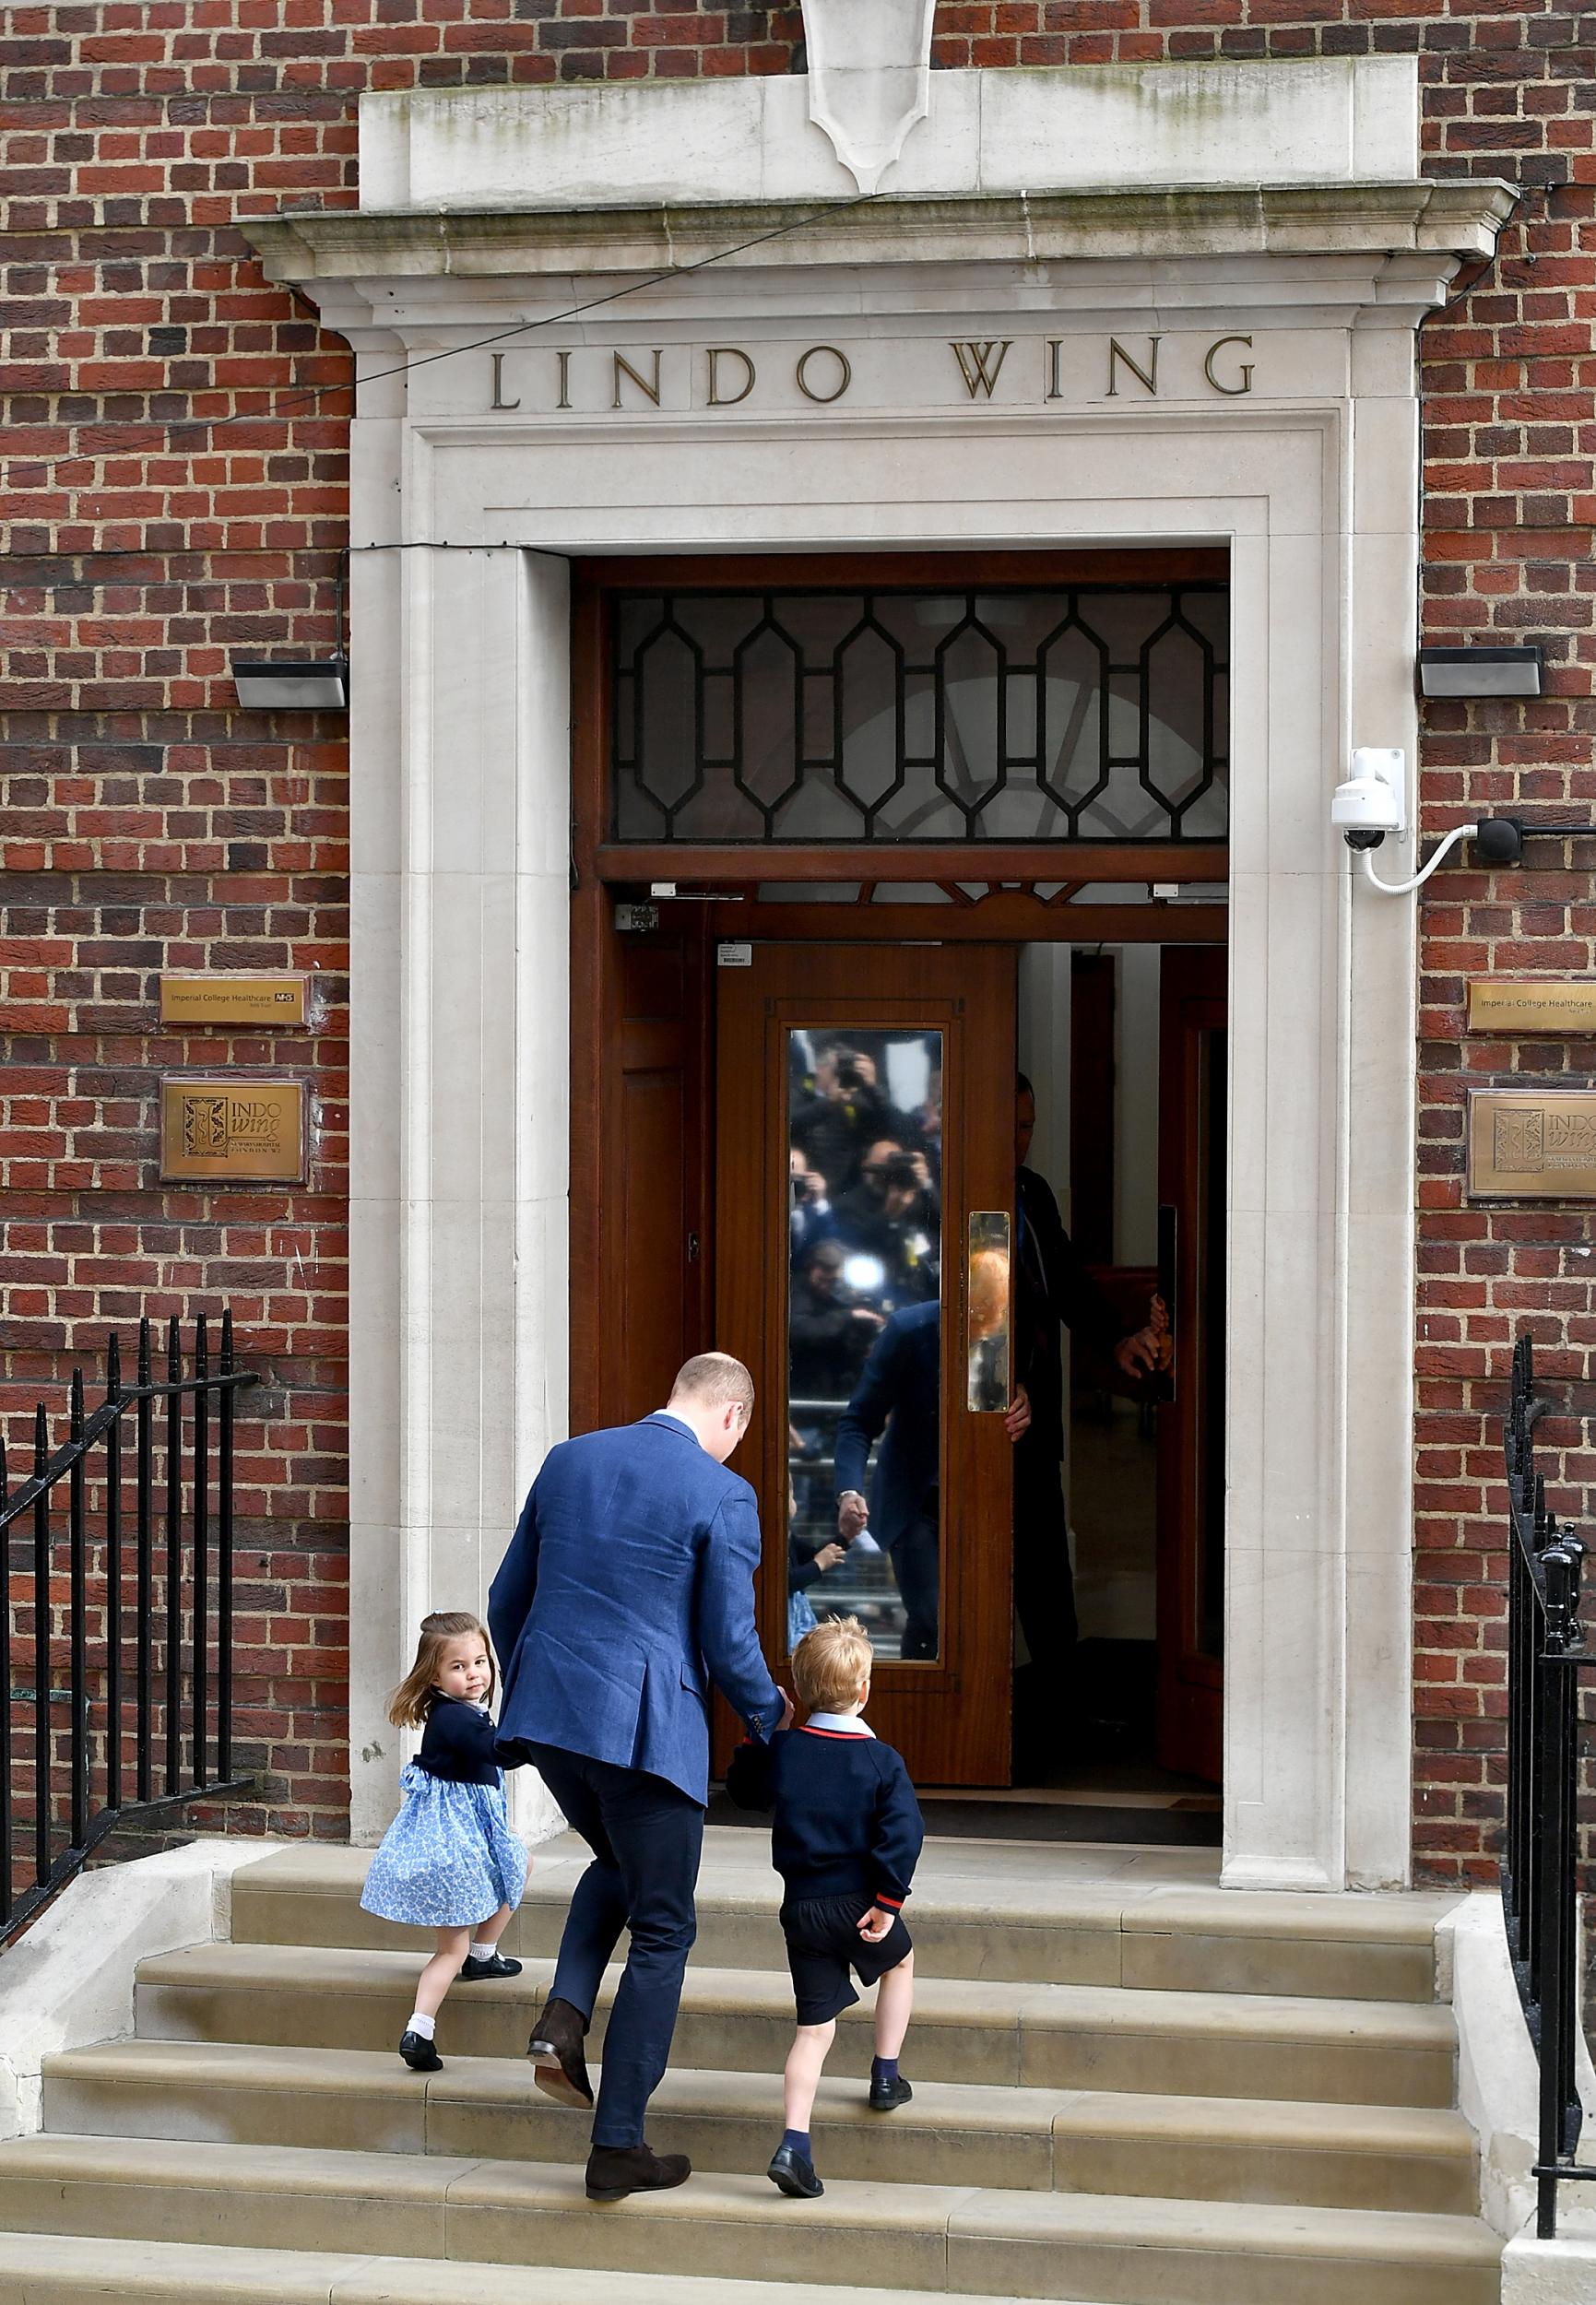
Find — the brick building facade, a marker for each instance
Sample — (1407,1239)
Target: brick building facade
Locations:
(176,439)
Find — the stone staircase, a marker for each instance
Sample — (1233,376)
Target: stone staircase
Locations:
(1129,2086)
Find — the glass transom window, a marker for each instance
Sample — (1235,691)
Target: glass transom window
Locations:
(1067,713)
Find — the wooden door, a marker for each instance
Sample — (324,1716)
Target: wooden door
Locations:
(1191,1191)
(872,1312)
(640,1301)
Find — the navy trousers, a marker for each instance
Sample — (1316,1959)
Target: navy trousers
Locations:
(646,1837)
(916,1559)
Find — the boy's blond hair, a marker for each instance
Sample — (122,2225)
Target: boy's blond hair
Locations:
(831,1665)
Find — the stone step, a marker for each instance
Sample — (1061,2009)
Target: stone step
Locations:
(1002,2243)
(1210,2148)
(76,2269)
(1003,1911)
(1070,2036)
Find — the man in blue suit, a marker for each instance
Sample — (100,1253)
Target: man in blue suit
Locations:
(628,1588)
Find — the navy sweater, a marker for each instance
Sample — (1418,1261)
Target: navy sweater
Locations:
(846,1822)
(457,1743)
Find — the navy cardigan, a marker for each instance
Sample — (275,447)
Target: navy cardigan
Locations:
(457,1743)
(846,1822)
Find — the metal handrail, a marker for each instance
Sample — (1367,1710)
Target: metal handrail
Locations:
(95,1646)
(1546,1653)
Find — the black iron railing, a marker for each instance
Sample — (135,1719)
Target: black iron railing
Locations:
(137,1604)
(1546,1653)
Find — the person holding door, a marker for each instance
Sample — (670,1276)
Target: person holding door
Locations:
(628,1588)
(1054,1292)
(899,1396)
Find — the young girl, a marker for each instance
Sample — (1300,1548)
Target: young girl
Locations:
(449,1860)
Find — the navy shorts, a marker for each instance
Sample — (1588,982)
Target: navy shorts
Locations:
(823,1944)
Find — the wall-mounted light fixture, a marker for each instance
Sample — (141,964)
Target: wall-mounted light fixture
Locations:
(294,684)
(1480,671)
(301,684)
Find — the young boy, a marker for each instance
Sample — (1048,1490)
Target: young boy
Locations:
(845,1836)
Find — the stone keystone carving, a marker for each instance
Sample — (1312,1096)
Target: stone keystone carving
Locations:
(869,73)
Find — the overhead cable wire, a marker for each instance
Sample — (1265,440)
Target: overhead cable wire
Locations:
(310,394)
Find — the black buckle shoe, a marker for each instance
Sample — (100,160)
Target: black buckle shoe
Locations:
(490,1965)
(559,2061)
(615,2170)
(419,2053)
(793,2173)
(886,2096)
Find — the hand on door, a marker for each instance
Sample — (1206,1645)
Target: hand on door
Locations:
(1137,1354)
(1018,1420)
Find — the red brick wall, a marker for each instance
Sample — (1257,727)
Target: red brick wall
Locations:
(154,818)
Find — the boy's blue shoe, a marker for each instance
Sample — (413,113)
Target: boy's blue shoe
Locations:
(486,1965)
(793,2173)
(885,2095)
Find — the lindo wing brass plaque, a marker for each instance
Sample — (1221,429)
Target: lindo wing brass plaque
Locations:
(209,998)
(1532,1004)
(1532,1145)
(233,1130)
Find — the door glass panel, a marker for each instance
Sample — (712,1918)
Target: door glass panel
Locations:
(988,1295)
(865,1335)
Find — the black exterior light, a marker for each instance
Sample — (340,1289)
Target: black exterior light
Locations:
(1480,671)
(293,684)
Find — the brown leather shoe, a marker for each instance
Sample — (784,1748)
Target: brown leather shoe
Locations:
(614,2170)
(555,2049)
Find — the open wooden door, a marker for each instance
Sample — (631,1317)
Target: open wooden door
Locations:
(1191,1193)
(864,1206)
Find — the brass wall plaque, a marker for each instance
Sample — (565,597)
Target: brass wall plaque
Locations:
(206,998)
(233,1130)
(1529,1144)
(1532,1004)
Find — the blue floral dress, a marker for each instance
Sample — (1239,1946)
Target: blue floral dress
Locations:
(449,1858)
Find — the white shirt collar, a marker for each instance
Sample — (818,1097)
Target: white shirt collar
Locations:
(840,1724)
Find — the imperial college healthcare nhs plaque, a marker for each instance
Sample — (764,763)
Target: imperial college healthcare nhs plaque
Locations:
(233,1131)
(1532,1144)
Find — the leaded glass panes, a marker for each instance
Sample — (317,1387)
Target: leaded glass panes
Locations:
(1073,713)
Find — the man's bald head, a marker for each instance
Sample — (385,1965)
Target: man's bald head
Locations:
(714,1396)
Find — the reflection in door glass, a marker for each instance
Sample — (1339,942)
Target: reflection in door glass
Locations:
(864,1335)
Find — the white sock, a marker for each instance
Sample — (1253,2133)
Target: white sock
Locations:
(482,1952)
(426,2025)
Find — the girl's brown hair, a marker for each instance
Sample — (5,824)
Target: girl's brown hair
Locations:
(415,1695)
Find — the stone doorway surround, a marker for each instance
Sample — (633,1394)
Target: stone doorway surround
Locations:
(1209,280)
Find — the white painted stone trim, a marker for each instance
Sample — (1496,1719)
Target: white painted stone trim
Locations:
(1331,120)
(1498,2083)
(69,1981)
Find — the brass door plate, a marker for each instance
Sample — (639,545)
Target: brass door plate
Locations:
(1530,1006)
(233,1130)
(250,998)
(1532,1144)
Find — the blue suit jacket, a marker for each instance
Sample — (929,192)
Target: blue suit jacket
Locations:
(899,1392)
(627,1588)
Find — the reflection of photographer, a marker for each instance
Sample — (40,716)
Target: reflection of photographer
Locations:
(846,1111)
(829,1331)
(892,1215)
(810,1217)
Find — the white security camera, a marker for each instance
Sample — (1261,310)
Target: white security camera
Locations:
(1373,801)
